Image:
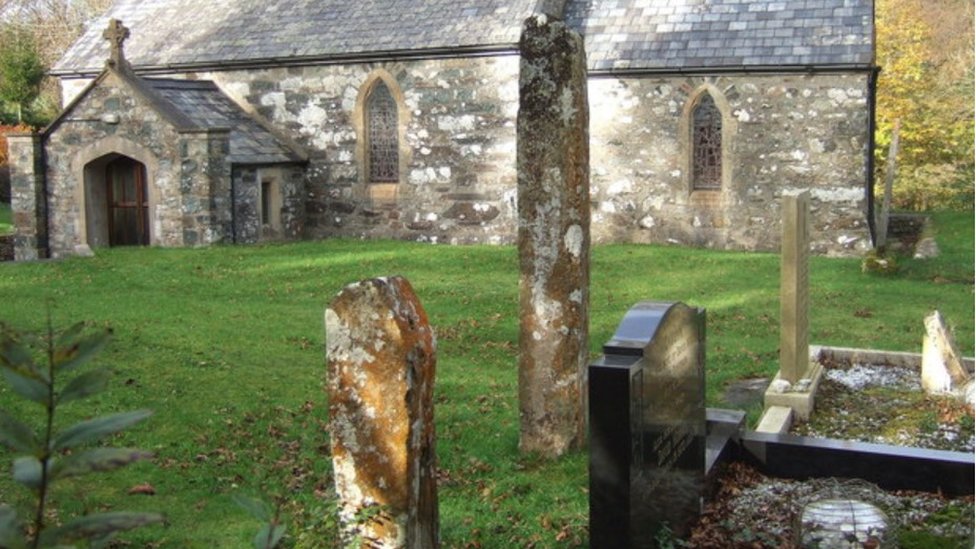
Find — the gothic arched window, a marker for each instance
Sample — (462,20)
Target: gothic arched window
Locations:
(382,133)
(706,145)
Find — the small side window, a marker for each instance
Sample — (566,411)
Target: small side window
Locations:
(270,204)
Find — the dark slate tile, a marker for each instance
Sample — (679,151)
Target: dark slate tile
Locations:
(323,28)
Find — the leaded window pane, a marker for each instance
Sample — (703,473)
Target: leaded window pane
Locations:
(707,145)
(382,135)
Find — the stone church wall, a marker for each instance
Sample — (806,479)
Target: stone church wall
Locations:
(290,187)
(783,133)
(457,182)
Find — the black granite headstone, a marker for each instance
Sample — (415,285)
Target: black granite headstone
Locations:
(647,426)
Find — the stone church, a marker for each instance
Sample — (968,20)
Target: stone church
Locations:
(236,121)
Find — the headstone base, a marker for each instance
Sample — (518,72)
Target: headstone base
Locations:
(798,396)
(776,419)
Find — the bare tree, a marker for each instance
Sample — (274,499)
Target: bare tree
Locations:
(53,25)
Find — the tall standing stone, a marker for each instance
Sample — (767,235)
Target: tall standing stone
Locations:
(794,348)
(553,236)
(380,354)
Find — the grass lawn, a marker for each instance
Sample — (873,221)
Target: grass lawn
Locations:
(225,344)
(6,219)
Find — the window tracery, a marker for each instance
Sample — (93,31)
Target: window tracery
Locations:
(382,135)
(706,139)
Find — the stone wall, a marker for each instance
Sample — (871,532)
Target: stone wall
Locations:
(248,225)
(457,153)
(205,184)
(29,210)
(782,134)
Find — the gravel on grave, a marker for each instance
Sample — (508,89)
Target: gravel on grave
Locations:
(754,511)
(885,404)
(871,403)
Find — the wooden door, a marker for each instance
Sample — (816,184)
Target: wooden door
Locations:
(128,205)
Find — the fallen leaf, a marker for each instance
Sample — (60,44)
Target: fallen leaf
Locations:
(142,490)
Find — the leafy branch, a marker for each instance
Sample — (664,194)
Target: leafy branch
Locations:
(50,455)
(272,529)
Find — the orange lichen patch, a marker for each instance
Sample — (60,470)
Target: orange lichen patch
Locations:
(381,363)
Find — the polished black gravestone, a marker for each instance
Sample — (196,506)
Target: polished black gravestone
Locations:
(647,426)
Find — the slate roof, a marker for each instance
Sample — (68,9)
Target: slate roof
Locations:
(189,32)
(673,34)
(203,103)
(620,34)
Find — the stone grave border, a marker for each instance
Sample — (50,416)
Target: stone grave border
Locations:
(801,458)
(779,419)
(774,452)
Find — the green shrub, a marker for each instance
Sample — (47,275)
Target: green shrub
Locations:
(272,530)
(37,368)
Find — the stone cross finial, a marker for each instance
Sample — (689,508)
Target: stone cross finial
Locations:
(116,33)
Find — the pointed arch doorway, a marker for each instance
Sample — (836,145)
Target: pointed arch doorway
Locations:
(117,202)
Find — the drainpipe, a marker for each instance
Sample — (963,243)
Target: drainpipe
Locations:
(44,245)
(869,176)
(233,206)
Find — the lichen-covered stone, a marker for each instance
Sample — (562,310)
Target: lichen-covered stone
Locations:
(381,359)
(553,236)
(27,201)
(785,133)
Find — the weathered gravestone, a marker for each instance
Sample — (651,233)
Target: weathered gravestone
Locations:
(380,354)
(553,236)
(648,426)
(942,365)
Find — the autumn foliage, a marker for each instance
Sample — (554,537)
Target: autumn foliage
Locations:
(925,51)
(4,130)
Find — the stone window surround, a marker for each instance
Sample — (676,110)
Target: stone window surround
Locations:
(380,193)
(382,127)
(273,177)
(687,140)
(82,180)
